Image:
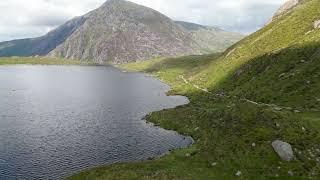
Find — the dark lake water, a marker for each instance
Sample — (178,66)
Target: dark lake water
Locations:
(59,120)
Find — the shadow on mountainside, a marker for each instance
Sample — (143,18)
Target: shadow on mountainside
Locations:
(289,77)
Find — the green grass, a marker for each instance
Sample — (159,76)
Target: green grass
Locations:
(278,67)
(40,61)
(227,127)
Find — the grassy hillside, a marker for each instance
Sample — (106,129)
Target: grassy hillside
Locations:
(278,64)
(262,89)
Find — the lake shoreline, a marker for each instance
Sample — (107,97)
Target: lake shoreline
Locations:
(144,119)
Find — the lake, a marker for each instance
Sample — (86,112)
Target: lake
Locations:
(59,120)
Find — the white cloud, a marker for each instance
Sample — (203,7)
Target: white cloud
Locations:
(30,18)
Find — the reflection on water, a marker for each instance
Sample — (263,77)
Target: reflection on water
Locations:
(58,120)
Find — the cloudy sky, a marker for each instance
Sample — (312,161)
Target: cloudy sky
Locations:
(31,18)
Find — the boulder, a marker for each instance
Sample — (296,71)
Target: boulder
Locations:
(238,173)
(214,164)
(316,24)
(284,150)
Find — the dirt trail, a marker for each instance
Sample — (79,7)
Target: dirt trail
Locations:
(277,107)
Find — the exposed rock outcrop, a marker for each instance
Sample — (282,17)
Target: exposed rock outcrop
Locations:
(285,8)
(316,24)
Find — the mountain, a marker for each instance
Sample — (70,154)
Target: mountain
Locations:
(211,39)
(121,31)
(262,89)
(41,45)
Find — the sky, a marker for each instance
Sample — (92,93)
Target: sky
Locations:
(32,18)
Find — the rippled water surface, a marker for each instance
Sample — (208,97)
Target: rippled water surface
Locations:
(58,120)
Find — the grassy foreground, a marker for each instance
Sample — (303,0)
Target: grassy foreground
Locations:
(262,89)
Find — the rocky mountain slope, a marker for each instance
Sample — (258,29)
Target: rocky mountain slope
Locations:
(121,31)
(285,8)
(41,45)
(258,98)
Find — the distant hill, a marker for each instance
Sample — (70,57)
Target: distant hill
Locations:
(41,45)
(121,31)
(210,39)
